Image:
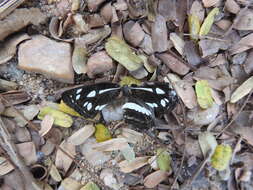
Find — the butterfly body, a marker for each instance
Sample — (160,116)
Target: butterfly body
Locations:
(140,106)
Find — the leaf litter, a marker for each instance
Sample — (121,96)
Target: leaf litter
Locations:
(203,48)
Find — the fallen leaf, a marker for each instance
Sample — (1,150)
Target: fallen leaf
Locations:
(245,132)
(111,145)
(207,142)
(61,119)
(153,179)
(9,47)
(204,95)
(102,133)
(90,186)
(208,22)
(131,135)
(28,151)
(163,160)
(62,161)
(79,59)
(177,42)
(122,53)
(128,153)
(70,184)
(46,124)
(242,90)
(127,167)
(209,3)
(244,44)
(194,26)
(133,33)
(245,21)
(66,109)
(221,157)
(127,80)
(54,173)
(81,135)
(5,166)
(184,90)
(232,7)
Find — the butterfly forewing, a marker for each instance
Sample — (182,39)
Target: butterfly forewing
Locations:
(159,96)
(89,100)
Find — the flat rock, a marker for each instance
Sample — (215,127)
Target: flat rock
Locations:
(48,57)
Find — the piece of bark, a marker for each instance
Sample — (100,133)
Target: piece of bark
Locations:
(159,34)
(19,19)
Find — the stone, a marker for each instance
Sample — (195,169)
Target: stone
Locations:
(48,57)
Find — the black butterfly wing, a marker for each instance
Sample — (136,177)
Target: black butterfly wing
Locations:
(137,113)
(159,96)
(90,99)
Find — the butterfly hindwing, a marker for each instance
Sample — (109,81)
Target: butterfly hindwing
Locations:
(159,96)
(137,113)
(90,99)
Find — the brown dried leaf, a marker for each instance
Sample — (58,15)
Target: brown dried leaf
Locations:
(28,152)
(5,166)
(248,66)
(232,6)
(16,97)
(133,33)
(131,135)
(127,167)
(244,44)
(177,42)
(70,184)
(245,21)
(95,20)
(19,19)
(198,10)
(210,3)
(159,34)
(192,54)
(224,24)
(164,6)
(93,5)
(8,6)
(111,145)
(174,64)
(184,90)
(46,124)
(7,85)
(210,47)
(8,48)
(153,179)
(106,12)
(80,136)
(62,161)
(245,132)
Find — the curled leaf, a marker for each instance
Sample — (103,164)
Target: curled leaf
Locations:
(204,94)
(221,157)
(102,133)
(61,119)
(208,22)
(122,53)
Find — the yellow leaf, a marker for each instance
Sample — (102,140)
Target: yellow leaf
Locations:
(208,22)
(126,80)
(66,109)
(102,133)
(194,26)
(163,160)
(204,95)
(122,53)
(221,157)
(61,119)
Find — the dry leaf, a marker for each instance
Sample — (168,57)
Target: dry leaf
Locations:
(204,96)
(245,132)
(28,152)
(122,53)
(184,90)
(244,44)
(221,157)
(153,179)
(232,6)
(177,42)
(80,136)
(208,22)
(245,21)
(209,3)
(198,10)
(54,173)
(159,34)
(111,145)
(79,59)
(102,133)
(46,124)
(133,33)
(127,167)
(5,166)
(62,161)
(131,135)
(242,90)
(70,184)
(207,142)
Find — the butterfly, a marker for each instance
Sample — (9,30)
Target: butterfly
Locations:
(140,106)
